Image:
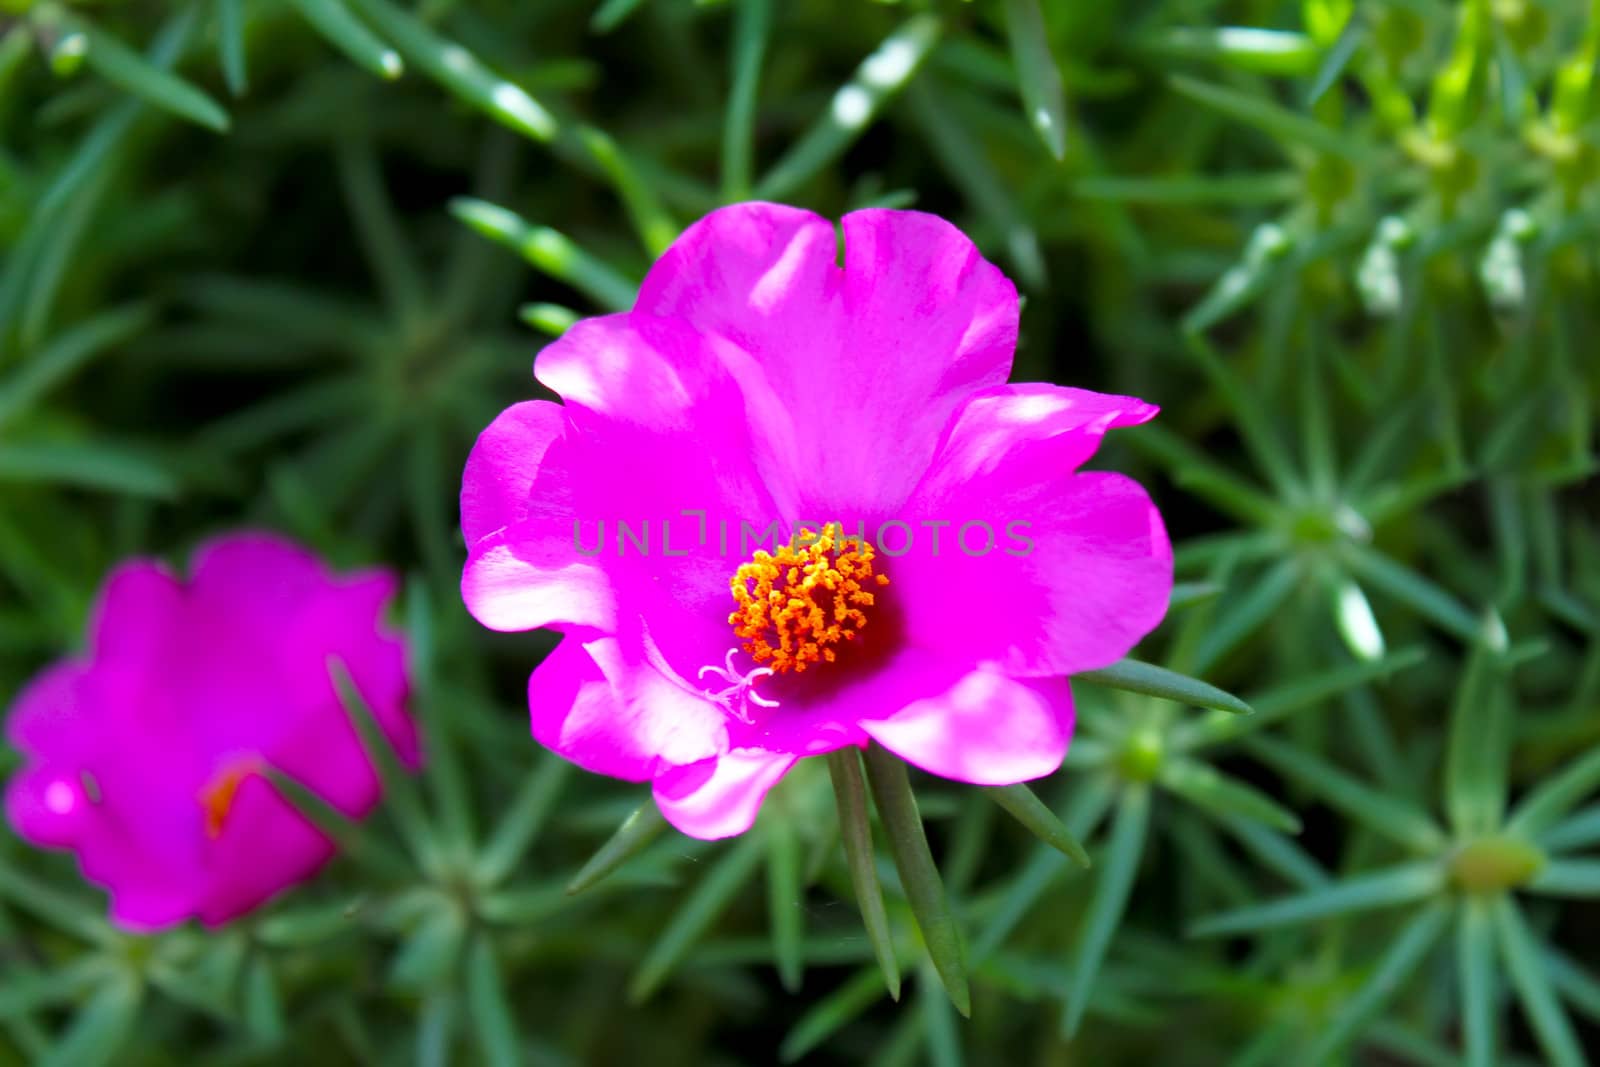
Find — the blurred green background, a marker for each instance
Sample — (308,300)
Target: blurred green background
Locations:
(276,262)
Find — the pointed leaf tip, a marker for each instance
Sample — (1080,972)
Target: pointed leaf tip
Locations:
(1022,804)
(1150,680)
(636,832)
(897,807)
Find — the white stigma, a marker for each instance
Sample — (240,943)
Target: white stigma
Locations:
(741,692)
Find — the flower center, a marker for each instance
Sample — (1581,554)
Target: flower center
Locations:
(216,799)
(797,606)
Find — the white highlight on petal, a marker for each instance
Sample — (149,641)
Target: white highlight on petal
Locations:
(1034,408)
(60,798)
(778,279)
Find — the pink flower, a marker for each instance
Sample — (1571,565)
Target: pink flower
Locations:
(757,380)
(146,755)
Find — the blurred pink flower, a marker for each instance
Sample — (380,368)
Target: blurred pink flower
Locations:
(145,755)
(756,380)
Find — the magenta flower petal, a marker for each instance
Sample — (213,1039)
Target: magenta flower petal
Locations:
(768,378)
(869,360)
(266,844)
(648,433)
(987,729)
(49,712)
(628,728)
(496,489)
(147,758)
(721,796)
(138,589)
(48,806)
(1060,572)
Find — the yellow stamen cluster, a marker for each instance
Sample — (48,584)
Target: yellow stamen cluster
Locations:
(797,604)
(216,799)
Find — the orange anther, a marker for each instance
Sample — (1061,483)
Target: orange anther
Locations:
(793,605)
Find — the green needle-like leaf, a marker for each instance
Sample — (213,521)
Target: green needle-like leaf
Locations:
(1577,985)
(1478,752)
(632,837)
(1404,955)
(1248,48)
(1146,678)
(68,353)
(1561,877)
(442,769)
(1475,963)
(785,897)
(308,925)
(127,69)
(831,1013)
(101,465)
(1043,98)
(525,816)
(964,158)
(436,1024)
(908,843)
(1195,470)
(263,1006)
(388,254)
(101,1027)
(379,859)
(459,71)
(855,832)
(549,251)
(16,44)
(613,13)
(1113,885)
(1279,124)
(1239,616)
(1024,806)
(1337,58)
(654,226)
(493,1021)
(69,232)
(1389,816)
(1276,852)
(1582,830)
(334,21)
(1268,244)
(551,319)
(880,76)
(1270,188)
(938,1022)
(1416,592)
(1386,888)
(524,905)
(752,24)
(1211,790)
(400,795)
(716,890)
(1546,803)
(75,187)
(26,992)
(1045,867)
(1280,702)
(1532,982)
(230,42)
(427,956)
(1188,594)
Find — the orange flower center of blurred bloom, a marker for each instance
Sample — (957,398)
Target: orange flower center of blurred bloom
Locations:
(216,799)
(797,606)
